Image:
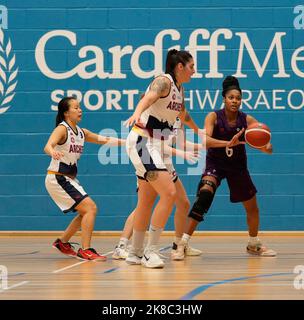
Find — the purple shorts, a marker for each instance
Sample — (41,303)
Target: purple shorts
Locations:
(239,181)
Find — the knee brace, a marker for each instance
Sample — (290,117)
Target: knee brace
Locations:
(202,203)
(207,182)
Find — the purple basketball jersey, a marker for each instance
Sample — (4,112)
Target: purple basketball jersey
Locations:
(222,131)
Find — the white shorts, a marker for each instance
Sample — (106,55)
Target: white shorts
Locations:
(67,193)
(170,167)
(145,153)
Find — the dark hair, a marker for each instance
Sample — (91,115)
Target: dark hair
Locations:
(63,106)
(174,57)
(230,83)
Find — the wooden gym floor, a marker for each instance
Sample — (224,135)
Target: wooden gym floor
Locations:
(224,271)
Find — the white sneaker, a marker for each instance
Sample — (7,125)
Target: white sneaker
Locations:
(151,259)
(258,249)
(120,252)
(190,251)
(134,257)
(178,252)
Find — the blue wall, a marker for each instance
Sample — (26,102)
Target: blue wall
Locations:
(277,98)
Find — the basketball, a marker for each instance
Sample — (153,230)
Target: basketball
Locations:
(257,135)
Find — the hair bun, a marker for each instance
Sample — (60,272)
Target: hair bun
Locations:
(230,81)
(172,52)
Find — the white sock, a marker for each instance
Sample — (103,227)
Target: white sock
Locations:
(138,239)
(186,237)
(177,240)
(253,240)
(123,242)
(154,235)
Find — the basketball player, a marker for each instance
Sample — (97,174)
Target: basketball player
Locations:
(182,202)
(229,163)
(65,146)
(154,117)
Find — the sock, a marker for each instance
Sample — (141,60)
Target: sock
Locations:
(138,239)
(253,240)
(154,235)
(177,240)
(123,242)
(186,237)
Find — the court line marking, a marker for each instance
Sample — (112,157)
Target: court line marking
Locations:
(65,268)
(76,264)
(200,289)
(111,270)
(16,274)
(70,266)
(165,248)
(106,254)
(18,254)
(14,286)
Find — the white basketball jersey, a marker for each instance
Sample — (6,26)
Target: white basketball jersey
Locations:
(172,139)
(162,113)
(72,149)
(177,126)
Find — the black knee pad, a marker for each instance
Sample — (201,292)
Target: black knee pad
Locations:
(207,182)
(201,205)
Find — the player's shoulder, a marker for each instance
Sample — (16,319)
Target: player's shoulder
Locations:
(211,115)
(61,128)
(162,78)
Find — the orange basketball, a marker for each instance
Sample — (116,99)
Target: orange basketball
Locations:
(257,135)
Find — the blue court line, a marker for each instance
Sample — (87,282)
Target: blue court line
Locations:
(18,254)
(16,274)
(110,270)
(165,248)
(203,288)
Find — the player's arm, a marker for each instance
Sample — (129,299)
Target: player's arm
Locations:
(209,127)
(99,139)
(58,136)
(187,120)
(268,148)
(191,156)
(250,120)
(184,144)
(160,87)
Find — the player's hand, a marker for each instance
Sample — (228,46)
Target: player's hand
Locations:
(132,120)
(190,156)
(235,139)
(267,148)
(57,155)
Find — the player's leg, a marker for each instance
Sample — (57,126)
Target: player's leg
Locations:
(88,210)
(121,249)
(243,190)
(255,246)
(72,228)
(63,244)
(141,217)
(66,193)
(162,183)
(204,197)
(182,204)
